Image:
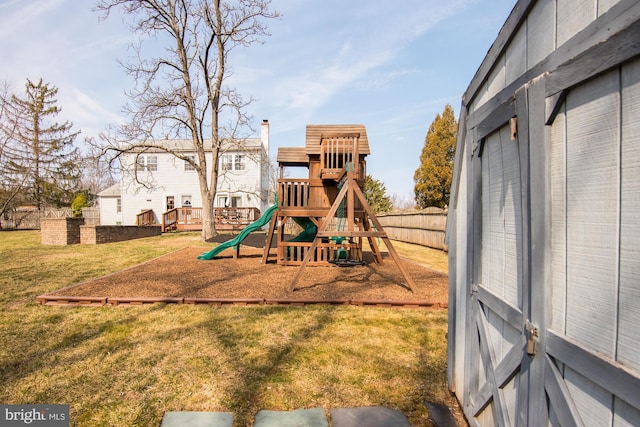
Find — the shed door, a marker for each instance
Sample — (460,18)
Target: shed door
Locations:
(591,347)
(495,342)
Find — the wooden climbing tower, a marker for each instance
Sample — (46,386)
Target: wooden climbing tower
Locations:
(329,204)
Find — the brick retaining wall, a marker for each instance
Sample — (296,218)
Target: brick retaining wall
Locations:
(60,231)
(115,233)
(71,231)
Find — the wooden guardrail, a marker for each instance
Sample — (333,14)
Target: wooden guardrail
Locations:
(145,218)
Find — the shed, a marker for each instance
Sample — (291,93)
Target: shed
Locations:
(544,223)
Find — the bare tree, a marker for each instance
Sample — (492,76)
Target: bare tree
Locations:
(96,173)
(181,93)
(7,129)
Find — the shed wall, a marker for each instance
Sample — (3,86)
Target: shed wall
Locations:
(544,231)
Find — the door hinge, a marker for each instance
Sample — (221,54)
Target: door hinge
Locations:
(532,336)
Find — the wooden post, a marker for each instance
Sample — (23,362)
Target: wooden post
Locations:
(267,243)
(385,239)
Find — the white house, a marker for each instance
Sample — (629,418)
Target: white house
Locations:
(166,183)
(110,201)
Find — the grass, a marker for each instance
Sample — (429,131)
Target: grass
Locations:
(127,366)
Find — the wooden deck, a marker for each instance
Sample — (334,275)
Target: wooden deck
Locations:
(190,218)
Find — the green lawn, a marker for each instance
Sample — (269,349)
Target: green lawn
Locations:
(127,366)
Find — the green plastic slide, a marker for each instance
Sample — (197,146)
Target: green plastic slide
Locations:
(309,230)
(254,226)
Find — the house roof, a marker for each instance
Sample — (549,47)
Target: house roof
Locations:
(292,156)
(315,133)
(112,191)
(299,156)
(186,145)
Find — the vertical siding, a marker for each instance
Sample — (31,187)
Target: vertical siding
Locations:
(593,402)
(461,275)
(516,56)
(512,206)
(572,17)
(592,214)
(492,250)
(625,415)
(628,344)
(501,217)
(594,166)
(605,5)
(501,255)
(558,224)
(541,31)
(497,78)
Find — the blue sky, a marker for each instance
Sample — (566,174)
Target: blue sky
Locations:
(390,65)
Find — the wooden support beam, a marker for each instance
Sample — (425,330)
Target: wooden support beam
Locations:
(321,229)
(267,243)
(351,190)
(352,234)
(387,242)
(377,255)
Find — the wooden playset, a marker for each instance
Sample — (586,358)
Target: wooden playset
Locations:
(329,205)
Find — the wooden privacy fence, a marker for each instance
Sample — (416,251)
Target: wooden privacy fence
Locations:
(28,217)
(426,227)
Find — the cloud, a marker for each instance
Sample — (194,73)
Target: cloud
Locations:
(17,14)
(87,113)
(341,53)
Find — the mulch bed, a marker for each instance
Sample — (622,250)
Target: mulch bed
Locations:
(181,275)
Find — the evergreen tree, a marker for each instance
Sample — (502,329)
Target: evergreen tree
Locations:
(433,178)
(40,159)
(375,193)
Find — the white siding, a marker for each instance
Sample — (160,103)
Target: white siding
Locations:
(605,5)
(516,57)
(573,16)
(592,213)
(461,275)
(171,179)
(628,342)
(592,401)
(109,214)
(541,31)
(589,294)
(558,224)
(501,217)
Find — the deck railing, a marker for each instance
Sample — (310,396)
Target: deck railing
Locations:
(170,220)
(145,218)
(293,193)
(338,151)
(190,218)
(234,218)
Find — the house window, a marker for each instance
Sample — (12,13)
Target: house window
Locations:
(118,205)
(188,166)
(239,163)
(171,203)
(226,162)
(147,163)
(232,162)
(236,201)
(186,200)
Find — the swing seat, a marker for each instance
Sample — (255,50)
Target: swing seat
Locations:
(347,262)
